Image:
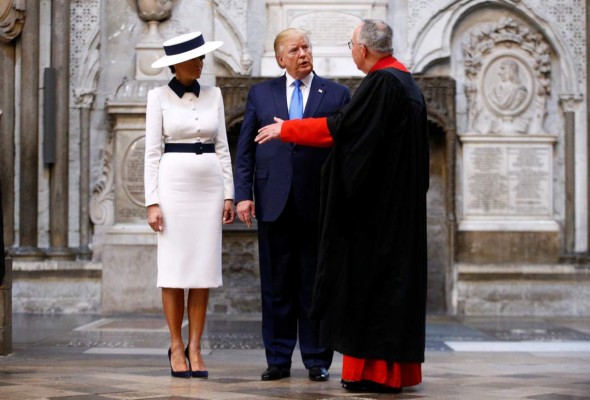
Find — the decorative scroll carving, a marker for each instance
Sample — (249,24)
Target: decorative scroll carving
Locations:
(12,19)
(102,206)
(87,77)
(507,79)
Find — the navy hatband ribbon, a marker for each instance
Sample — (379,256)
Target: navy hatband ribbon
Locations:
(183,47)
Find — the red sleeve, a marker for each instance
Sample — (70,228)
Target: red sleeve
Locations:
(308,132)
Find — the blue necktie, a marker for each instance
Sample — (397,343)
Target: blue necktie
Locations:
(296,108)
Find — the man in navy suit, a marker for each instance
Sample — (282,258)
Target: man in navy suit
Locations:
(278,184)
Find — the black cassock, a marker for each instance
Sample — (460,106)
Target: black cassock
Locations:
(370,290)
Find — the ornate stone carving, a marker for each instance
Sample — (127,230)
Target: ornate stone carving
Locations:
(154,10)
(12,19)
(84,23)
(102,206)
(565,18)
(507,79)
(230,21)
(570,103)
(87,77)
(149,48)
(568,19)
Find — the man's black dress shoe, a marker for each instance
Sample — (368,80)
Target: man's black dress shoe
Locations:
(318,374)
(274,372)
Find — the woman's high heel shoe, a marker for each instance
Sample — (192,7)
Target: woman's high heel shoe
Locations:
(195,374)
(177,374)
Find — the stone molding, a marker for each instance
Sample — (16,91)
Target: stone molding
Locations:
(570,102)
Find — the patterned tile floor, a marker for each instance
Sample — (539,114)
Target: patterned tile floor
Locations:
(81,357)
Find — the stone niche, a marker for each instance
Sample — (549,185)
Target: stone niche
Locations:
(507,155)
(330,27)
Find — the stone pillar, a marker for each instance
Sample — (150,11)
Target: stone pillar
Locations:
(5,292)
(58,172)
(84,252)
(84,95)
(7,61)
(570,179)
(588,109)
(29,137)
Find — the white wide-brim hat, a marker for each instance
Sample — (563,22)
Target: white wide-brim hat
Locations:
(185,47)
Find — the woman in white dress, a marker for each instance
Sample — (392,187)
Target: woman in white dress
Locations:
(188,193)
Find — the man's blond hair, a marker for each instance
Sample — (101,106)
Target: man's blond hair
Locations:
(286,34)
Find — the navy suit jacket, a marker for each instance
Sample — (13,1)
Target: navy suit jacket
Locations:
(267,173)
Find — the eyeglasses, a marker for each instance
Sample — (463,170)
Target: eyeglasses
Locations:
(351,44)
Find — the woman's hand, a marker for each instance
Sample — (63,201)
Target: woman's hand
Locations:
(269,132)
(154,217)
(228,212)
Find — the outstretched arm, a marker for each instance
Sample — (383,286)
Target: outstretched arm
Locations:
(308,132)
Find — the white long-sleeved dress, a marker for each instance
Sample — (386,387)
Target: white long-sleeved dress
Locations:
(189,188)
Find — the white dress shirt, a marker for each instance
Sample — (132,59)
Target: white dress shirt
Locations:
(304,88)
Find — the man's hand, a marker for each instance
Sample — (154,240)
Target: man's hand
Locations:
(269,132)
(246,212)
(228,212)
(155,218)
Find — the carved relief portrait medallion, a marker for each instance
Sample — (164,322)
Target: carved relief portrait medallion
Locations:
(132,171)
(507,86)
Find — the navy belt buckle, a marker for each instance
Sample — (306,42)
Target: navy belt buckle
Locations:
(198,148)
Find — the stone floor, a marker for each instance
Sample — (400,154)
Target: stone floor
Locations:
(123,357)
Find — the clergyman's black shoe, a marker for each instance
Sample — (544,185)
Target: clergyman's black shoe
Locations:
(353,386)
(275,372)
(318,374)
(368,387)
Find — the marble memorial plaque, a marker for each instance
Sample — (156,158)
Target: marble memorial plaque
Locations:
(505,179)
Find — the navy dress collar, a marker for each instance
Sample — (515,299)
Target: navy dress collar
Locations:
(180,89)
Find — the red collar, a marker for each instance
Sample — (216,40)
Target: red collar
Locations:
(389,62)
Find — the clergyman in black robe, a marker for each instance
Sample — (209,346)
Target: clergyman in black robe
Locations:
(370,289)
